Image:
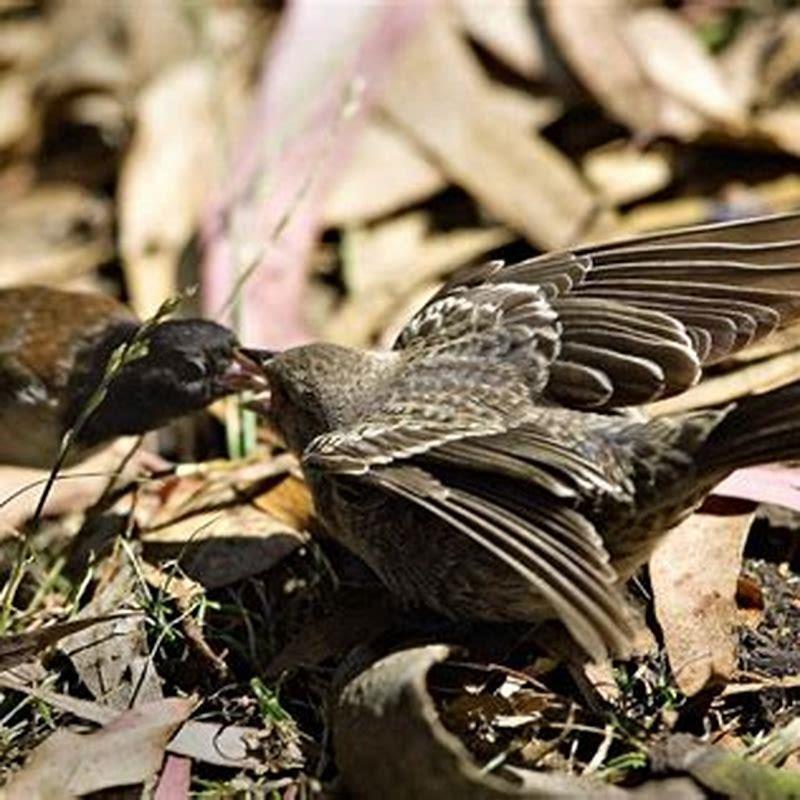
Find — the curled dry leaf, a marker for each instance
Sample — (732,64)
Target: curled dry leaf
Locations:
(389,703)
(695,605)
(129,750)
(439,94)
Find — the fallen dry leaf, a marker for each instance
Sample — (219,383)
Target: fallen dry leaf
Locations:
(622,173)
(16,110)
(635,62)
(210,742)
(591,37)
(439,94)
(742,61)
(506,29)
(753,379)
(224,524)
(127,751)
(385,173)
(175,780)
(219,744)
(24,42)
(217,548)
(54,232)
(772,484)
(77,487)
(209,485)
(113,46)
(695,603)
(781,126)
(667,49)
(17,648)
(112,658)
(166,178)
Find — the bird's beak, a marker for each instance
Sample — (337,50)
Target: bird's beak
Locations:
(245,371)
(257,355)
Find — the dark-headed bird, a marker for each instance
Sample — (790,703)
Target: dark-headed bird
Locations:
(493,464)
(54,347)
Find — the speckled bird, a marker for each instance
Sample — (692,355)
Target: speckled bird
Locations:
(495,464)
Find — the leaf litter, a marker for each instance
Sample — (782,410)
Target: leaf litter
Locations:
(191,613)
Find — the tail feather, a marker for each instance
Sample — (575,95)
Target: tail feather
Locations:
(760,429)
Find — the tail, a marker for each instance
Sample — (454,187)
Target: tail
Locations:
(760,429)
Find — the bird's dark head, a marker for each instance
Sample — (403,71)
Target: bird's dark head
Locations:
(317,388)
(184,367)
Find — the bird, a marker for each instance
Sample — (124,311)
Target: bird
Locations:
(497,463)
(54,347)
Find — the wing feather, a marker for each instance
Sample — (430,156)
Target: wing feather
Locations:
(580,589)
(638,319)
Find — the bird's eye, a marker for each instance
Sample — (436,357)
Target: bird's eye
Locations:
(192,370)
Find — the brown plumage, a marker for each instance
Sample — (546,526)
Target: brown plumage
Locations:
(493,465)
(54,346)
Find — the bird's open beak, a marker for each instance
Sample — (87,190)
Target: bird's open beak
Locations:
(245,373)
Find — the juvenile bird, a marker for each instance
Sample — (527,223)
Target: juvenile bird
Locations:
(493,465)
(54,346)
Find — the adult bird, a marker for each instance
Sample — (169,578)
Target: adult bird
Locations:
(494,464)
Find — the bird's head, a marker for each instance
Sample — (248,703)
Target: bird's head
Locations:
(186,364)
(317,388)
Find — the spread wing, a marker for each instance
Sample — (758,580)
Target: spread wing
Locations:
(638,319)
(462,430)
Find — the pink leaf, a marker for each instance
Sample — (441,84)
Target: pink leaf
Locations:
(175,779)
(767,484)
(300,137)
